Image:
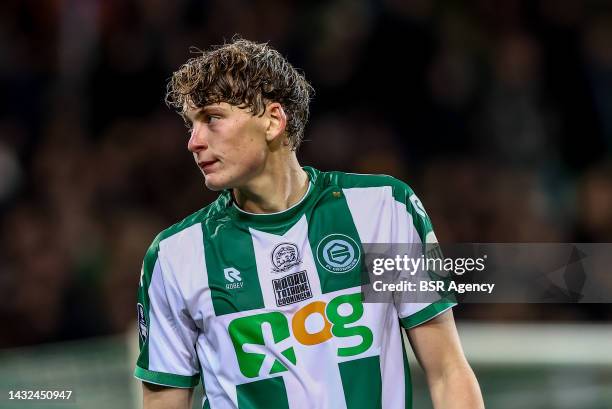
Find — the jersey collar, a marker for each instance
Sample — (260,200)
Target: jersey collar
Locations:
(285,217)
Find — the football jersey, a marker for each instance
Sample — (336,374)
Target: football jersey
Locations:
(266,309)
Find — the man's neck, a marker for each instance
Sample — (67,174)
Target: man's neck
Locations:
(280,186)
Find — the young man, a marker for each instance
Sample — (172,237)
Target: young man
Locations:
(258,294)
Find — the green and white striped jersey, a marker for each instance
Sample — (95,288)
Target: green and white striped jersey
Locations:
(266,308)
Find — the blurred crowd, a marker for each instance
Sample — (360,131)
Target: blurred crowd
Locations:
(497,113)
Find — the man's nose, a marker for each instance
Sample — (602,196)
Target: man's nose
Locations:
(197,139)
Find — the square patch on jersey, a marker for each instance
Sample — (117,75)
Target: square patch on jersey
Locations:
(292,288)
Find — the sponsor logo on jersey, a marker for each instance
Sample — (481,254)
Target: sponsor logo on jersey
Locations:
(284,257)
(292,288)
(142,323)
(338,253)
(264,344)
(232,278)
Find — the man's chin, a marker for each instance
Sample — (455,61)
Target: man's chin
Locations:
(213,184)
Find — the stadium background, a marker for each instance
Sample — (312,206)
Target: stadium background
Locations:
(497,113)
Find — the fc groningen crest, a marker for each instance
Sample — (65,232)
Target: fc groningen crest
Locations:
(338,253)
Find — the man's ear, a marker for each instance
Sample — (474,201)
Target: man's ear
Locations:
(277,121)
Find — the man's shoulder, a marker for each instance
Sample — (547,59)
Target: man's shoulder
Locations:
(347,180)
(383,186)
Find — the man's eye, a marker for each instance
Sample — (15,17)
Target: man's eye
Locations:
(212,118)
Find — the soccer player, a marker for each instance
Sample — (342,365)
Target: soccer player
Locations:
(257,295)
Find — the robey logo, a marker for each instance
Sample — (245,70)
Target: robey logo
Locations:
(232,278)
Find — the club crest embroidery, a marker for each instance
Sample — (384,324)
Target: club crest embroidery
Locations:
(284,257)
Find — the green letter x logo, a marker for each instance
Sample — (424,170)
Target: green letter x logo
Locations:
(258,340)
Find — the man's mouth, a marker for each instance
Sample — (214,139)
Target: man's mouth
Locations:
(207,166)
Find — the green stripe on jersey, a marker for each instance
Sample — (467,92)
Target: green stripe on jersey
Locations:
(362,383)
(231,267)
(335,242)
(268,393)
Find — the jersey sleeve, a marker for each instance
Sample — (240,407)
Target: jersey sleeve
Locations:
(420,235)
(167,336)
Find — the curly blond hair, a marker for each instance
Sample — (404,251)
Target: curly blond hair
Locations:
(247,75)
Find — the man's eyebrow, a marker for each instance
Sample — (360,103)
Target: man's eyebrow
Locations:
(203,110)
(209,108)
(191,114)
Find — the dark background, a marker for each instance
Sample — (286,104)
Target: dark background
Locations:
(497,113)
